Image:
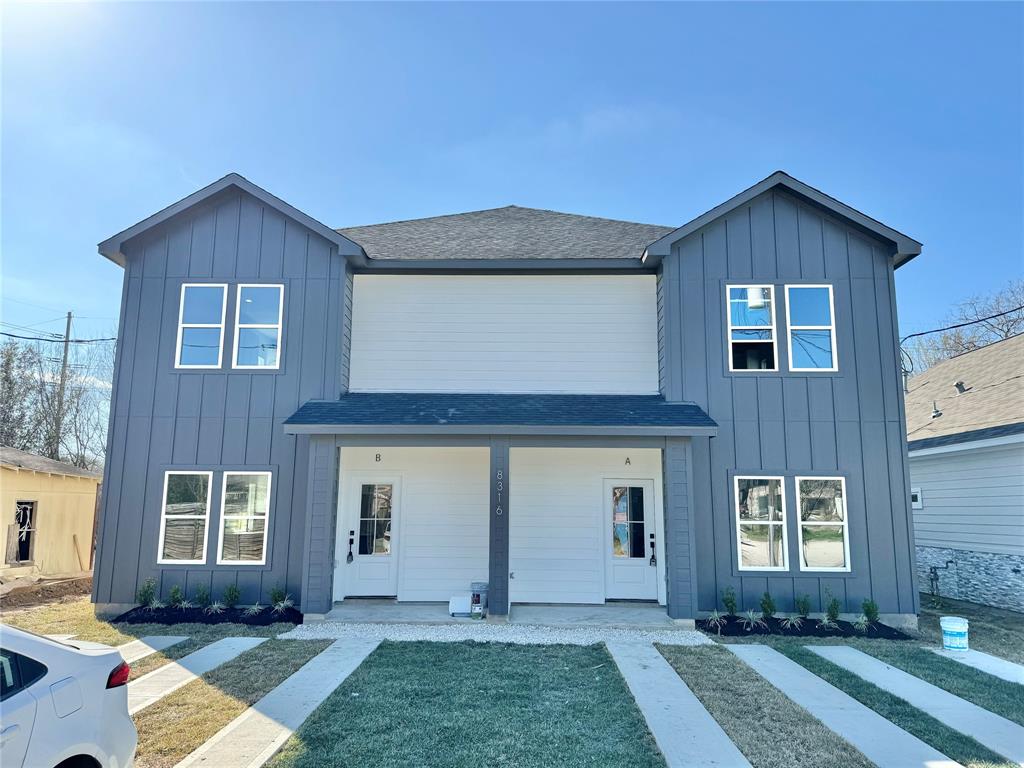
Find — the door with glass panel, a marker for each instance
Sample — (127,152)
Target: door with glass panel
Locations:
(631,571)
(370,542)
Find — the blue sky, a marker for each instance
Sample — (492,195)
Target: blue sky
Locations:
(360,113)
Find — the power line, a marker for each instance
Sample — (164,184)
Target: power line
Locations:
(59,340)
(962,325)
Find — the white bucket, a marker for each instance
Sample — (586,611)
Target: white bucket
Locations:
(954,633)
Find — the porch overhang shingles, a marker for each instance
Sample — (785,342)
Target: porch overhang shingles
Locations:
(405,413)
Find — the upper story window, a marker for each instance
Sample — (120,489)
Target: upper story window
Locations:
(258,319)
(201,325)
(810,317)
(752,344)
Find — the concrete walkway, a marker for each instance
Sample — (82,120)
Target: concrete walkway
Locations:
(993,665)
(144,646)
(686,734)
(169,678)
(995,732)
(257,734)
(884,744)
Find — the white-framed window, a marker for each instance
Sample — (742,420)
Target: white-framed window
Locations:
(751,320)
(375,518)
(244,517)
(259,315)
(811,321)
(184,517)
(761,537)
(823,527)
(201,325)
(916,499)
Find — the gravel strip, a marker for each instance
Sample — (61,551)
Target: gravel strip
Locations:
(521,634)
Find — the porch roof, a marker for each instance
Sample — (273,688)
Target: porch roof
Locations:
(390,413)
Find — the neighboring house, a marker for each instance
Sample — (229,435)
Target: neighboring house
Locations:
(965,426)
(49,508)
(572,409)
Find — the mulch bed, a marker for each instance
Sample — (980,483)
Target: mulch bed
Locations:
(170,615)
(810,628)
(44,592)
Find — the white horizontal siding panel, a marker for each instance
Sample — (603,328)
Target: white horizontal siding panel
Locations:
(971,500)
(589,334)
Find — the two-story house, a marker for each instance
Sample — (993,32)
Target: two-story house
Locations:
(572,409)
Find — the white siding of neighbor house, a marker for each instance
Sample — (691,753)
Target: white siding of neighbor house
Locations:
(971,499)
(559,519)
(505,333)
(442,525)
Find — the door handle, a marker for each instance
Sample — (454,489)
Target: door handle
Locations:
(654,558)
(7,733)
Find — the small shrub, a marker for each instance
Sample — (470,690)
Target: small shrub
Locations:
(767,606)
(792,623)
(254,610)
(751,620)
(861,623)
(803,606)
(729,601)
(176,597)
(232,594)
(202,595)
(283,604)
(716,621)
(146,593)
(155,605)
(215,608)
(277,595)
(870,608)
(827,623)
(832,607)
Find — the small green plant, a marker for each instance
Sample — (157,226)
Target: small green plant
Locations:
(202,595)
(750,621)
(861,623)
(215,608)
(254,610)
(827,624)
(767,606)
(155,605)
(729,601)
(792,623)
(146,593)
(232,594)
(277,595)
(283,604)
(716,621)
(832,607)
(176,596)
(870,609)
(803,606)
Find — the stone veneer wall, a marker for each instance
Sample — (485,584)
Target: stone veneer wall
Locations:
(980,577)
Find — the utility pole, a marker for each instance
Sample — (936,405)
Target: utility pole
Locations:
(58,418)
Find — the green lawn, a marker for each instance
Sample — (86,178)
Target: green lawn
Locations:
(475,704)
(992,630)
(767,727)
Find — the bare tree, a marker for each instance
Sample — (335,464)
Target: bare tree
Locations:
(984,329)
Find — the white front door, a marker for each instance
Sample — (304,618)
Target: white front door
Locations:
(631,548)
(369,559)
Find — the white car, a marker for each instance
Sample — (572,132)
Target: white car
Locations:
(63,704)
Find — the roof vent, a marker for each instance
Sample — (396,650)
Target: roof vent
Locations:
(935,410)
(960,388)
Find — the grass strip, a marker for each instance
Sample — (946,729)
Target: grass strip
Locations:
(987,691)
(768,728)
(958,746)
(472,704)
(179,723)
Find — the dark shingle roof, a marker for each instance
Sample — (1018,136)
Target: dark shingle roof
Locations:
(454,411)
(506,233)
(12,457)
(993,379)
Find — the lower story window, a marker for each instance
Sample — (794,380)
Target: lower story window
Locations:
(823,531)
(628,521)
(375,519)
(184,517)
(761,524)
(244,514)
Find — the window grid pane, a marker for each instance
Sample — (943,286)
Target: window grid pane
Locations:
(751,328)
(245,510)
(184,516)
(201,325)
(761,523)
(811,325)
(258,320)
(824,543)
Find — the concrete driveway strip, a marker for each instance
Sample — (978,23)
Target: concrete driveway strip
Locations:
(686,733)
(144,646)
(995,732)
(257,734)
(993,665)
(884,744)
(169,678)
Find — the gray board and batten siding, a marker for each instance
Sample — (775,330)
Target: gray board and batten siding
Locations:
(163,418)
(847,423)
